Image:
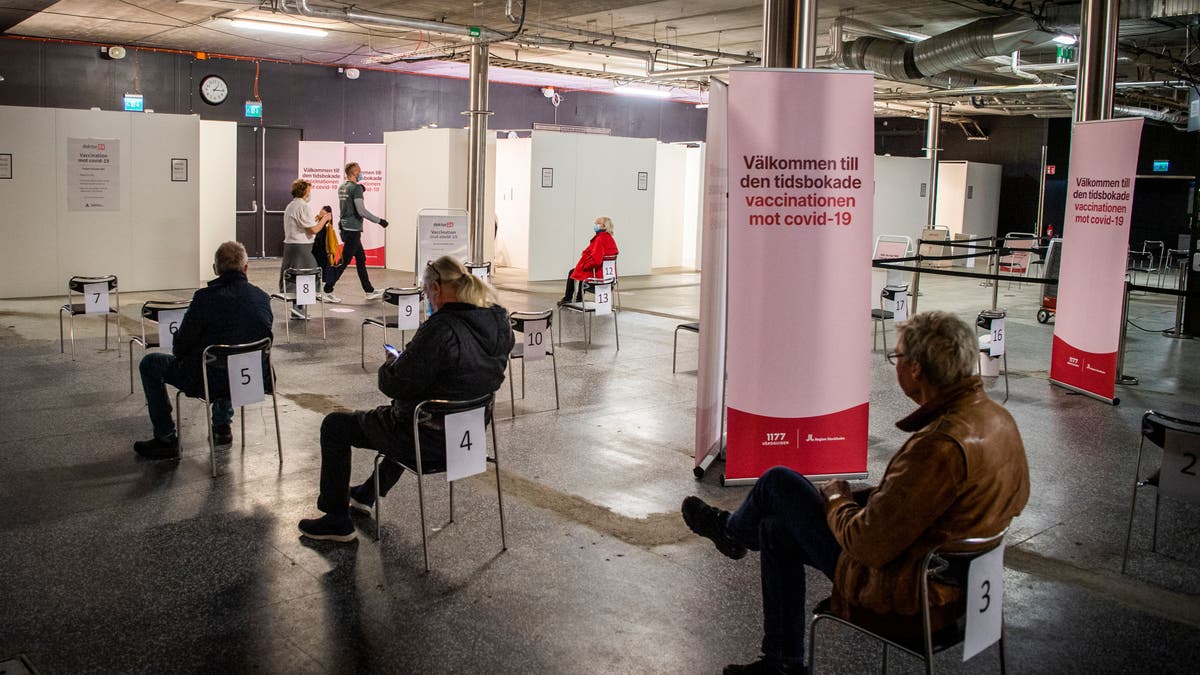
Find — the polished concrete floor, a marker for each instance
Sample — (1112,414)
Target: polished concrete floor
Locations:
(112,564)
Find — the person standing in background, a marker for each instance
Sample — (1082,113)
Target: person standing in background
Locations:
(353,210)
(299,227)
(320,247)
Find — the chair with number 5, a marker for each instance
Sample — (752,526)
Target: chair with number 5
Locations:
(1178,476)
(534,344)
(303,288)
(166,314)
(95,293)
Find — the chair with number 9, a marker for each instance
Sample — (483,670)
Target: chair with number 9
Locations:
(293,277)
(407,310)
(518,320)
(95,292)
(151,309)
(1179,474)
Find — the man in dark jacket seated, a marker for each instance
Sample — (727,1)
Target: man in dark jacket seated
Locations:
(459,353)
(229,311)
(961,474)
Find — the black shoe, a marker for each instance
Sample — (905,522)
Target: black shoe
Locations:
(362,499)
(329,528)
(765,666)
(158,448)
(222,435)
(709,521)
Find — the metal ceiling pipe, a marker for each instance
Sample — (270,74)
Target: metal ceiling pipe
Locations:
(679,73)
(894,59)
(302,8)
(1167,116)
(477,148)
(1014,89)
(1093,100)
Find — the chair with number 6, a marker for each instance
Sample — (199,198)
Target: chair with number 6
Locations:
(166,314)
(1178,476)
(305,289)
(407,316)
(95,292)
(534,344)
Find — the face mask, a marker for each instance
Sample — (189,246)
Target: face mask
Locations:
(597,229)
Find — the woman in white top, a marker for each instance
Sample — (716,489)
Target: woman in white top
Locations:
(299,227)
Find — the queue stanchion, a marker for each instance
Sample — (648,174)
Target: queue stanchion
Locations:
(916,280)
(1177,332)
(997,251)
(1122,378)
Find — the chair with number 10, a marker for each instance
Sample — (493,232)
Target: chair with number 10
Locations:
(519,321)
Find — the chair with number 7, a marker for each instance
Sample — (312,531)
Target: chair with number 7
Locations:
(519,321)
(250,384)
(300,295)
(95,292)
(1178,476)
(406,303)
(430,424)
(152,311)
(953,565)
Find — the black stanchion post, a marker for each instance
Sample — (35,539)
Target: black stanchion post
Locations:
(1122,378)
(996,271)
(916,285)
(1177,332)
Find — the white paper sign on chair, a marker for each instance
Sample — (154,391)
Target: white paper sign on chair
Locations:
(900,306)
(603,302)
(985,601)
(997,344)
(245,378)
(535,341)
(168,323)
(609,269)
(481,272)
(409,312)
(1180,475)
(466,444)
(95,298)
(306,289)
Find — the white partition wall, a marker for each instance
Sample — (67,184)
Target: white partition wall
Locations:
(513,157)
(968,199)
(149,236)
(900,207)
(671,166)
(693,202)
(218,187)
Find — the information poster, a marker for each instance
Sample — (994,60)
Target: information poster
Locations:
(801,177)
(93,174)
(1091,279)
(439,235)
(323,164)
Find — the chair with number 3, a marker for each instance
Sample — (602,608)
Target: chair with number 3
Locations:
(95,292)
(250,384)
(156,312)
(459,446)
(306,290)
(1178,477)
(407,304)
(526,348)
(976,566)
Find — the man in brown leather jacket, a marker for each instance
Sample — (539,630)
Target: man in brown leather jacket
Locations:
(961,474)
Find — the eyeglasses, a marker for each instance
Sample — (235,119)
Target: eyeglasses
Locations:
(436,276)
(894,356)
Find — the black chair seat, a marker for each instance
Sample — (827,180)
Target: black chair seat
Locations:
(943,639)
(882,314)
(693,327)
(80,308)
(381,323)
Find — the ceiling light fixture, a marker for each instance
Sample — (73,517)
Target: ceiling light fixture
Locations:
(273,27)
(1064,39)
(644,92)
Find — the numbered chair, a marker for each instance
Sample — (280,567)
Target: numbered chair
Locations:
(1178,476)
(407,316)
(608,269)
(166,314)
(689,327)
(1140,261)
(976,573)
(1158,254)
(526,347)
(463,426)
(94,293)
(992,344)
(601,304)
(897,295)
(244,387)
(482,270)
(306,290)
(1017,255)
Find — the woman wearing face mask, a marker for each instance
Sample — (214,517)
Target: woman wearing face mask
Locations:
(459,353)
(592,260)
(299,227)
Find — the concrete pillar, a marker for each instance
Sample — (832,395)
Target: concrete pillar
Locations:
(477,148)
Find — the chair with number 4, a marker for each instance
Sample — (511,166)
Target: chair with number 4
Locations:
(407,316)
(976,567)
(95,292)
(462,427)
(253,378)
(534,345)
(895,296)
(305,285)
(1178,476)
(166,314)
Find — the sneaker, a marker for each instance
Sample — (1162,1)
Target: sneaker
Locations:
(362,498)
(709,522)
(158,448)
(330,297)
(329,528)
(765,666)
(299,314)
(374,295)
(222,435)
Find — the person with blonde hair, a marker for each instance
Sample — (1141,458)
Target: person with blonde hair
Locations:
(459,353)
(591,262)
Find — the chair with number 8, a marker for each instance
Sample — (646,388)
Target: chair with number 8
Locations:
(1178,475)
(519,321)
(408,297)
(95,292)
(292,278)
(151,309)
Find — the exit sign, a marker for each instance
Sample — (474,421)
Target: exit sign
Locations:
(134,103)
(473,31)
(254,109)
(1049,169)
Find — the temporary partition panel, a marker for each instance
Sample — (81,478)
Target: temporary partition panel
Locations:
(1091,280)
(800,212)
(218,185)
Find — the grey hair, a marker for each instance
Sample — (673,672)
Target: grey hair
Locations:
(230,257)
(943,344)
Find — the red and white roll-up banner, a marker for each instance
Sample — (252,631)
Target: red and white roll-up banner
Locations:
(1091,278)
(801,174)
(372,160)
(322,165)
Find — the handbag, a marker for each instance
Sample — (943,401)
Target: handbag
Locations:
(332,248)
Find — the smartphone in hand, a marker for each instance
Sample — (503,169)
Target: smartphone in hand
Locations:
(392,351)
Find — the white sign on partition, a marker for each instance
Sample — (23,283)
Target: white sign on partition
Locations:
(481,272)
(535,340)
(900,306)
(985,600)
(93,174)
(245,378)
(306,289)
(609,269)
(439,235)
(603,302)
(998,338)
(409,312)
(168,323)
(466,444)
(95,298)
(1180,476)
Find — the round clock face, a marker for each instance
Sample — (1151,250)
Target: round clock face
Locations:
(213,90)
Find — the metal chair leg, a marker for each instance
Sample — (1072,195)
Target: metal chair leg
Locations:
(287,321)
(131,366)
(178,420)
(375,475)
(554,365)
(617,330)
(1005,376)
(71,323)
(512,397)
(278,433)
(522,378)
(674,348)
(242,418)
(62,343)
(499,492)
(451,500)
(212,441)
(1132,505)
(421,505)
(105,332)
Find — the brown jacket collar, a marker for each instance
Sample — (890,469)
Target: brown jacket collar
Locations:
(937,407)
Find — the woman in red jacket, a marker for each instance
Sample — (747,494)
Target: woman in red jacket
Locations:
(590,263)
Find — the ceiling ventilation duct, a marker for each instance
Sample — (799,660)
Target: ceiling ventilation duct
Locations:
(897,60)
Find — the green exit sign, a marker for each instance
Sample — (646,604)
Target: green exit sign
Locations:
(473,31)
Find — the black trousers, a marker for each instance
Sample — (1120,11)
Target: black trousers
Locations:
(351,248)
(340,432)
(573,295)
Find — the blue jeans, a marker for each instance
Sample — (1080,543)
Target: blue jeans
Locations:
(783,518)
(158,370)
